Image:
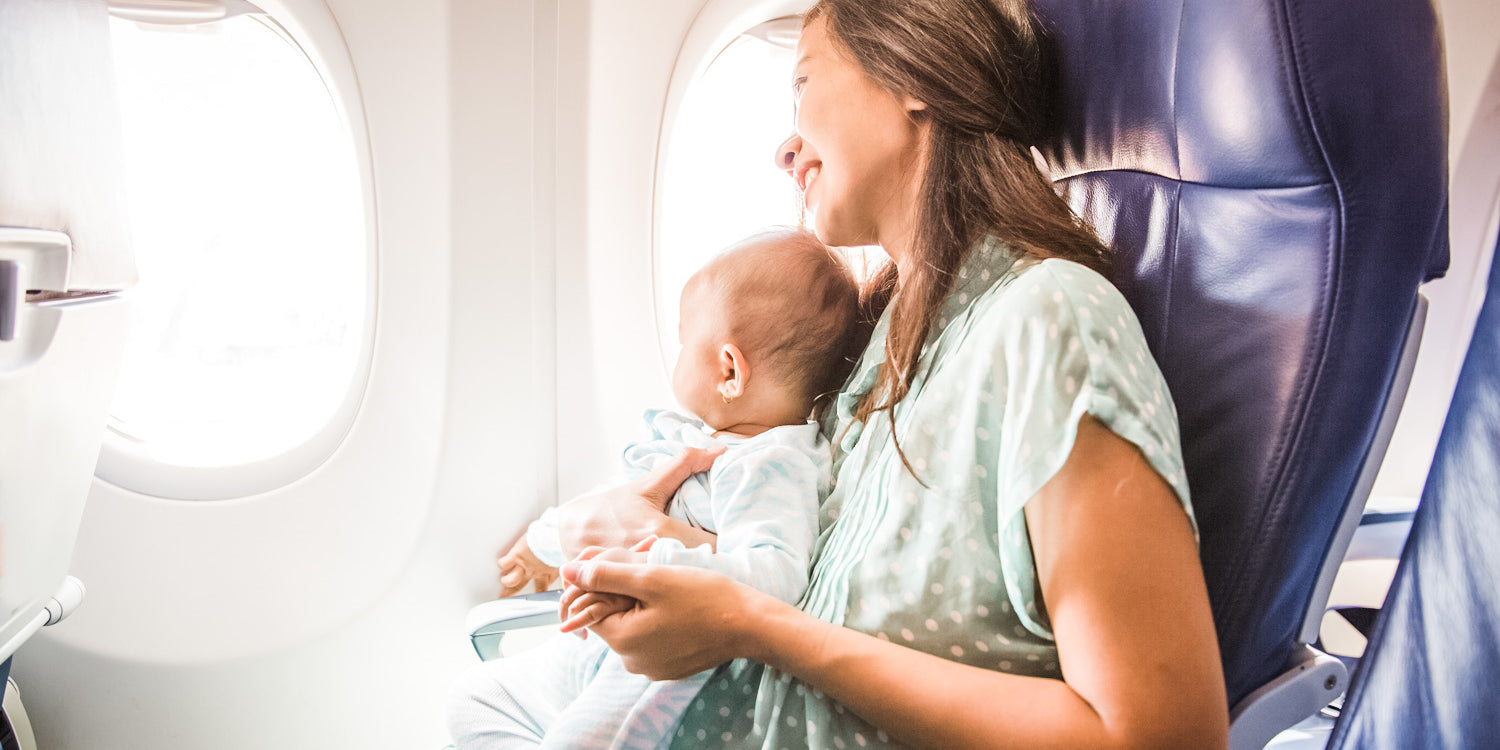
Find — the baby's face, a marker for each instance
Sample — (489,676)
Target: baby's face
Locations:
(701,366)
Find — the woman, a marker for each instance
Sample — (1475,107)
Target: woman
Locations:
(1008,558)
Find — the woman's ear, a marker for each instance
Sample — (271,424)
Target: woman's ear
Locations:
(913,105)
(734,372)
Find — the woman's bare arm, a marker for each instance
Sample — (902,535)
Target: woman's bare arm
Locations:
(1125,592)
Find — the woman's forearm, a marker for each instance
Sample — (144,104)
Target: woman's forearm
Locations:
(923,700)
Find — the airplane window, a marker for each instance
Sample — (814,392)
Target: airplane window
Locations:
(249,230)
(720,182)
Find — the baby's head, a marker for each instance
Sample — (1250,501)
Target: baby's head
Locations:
(767,327)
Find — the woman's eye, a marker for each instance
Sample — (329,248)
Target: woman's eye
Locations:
(797,85)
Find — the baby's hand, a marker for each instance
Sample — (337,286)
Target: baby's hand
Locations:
(582,609)
(587,610)
(519,567)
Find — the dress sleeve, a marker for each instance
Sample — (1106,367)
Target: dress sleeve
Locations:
(1071,346)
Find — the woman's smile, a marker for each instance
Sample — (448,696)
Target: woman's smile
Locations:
(867,131)
(805,177)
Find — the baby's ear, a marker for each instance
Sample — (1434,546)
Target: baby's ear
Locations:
(734,372)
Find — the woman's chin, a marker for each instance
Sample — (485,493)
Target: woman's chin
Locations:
(826,227)
(834,237)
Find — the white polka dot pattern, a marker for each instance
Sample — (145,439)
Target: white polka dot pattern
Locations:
(941,562)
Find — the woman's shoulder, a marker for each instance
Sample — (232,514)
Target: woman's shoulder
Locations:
(1054,296)
(1042,280)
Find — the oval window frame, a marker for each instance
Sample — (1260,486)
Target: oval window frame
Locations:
(718,24)
(126,464)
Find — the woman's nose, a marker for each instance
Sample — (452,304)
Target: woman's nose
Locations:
(786,153)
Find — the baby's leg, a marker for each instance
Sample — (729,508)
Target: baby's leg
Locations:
(623,711)
(513,702)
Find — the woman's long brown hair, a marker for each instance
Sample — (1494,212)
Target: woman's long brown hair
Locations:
(977,66)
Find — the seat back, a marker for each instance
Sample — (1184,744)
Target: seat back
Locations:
(60,154)
(1273,176)
(1431,671)
(63,243)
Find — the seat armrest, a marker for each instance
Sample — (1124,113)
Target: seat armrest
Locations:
(488,623)
(1311,680)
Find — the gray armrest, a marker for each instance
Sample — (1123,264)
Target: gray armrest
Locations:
(1311,681)
(489,622)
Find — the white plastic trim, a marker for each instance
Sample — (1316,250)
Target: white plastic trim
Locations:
(1474,193)
(487,624)
(125,463)
(46,256)
(179,12)
(62,603)
(1312,620)
(9,648)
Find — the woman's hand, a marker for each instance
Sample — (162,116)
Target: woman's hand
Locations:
(579,609)
(685,619)
(621,516)
(520,566)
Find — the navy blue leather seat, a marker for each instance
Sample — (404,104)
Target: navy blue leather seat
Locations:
(1273,176)
(1431,672)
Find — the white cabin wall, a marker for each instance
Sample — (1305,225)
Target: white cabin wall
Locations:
(498,457)
(513,147)
(1471,30)
(610,109)
(375,678)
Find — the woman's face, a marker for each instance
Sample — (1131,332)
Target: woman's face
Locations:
(857,151)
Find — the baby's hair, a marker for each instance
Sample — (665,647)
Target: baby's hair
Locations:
(793,304)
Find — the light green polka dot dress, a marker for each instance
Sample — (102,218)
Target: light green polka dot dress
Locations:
(1021,351)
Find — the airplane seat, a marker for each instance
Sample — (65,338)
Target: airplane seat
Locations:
(1431,671)
(1273,177)
(64,251)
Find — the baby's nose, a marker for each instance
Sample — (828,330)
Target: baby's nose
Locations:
(786,153)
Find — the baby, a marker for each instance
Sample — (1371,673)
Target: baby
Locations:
(768,328)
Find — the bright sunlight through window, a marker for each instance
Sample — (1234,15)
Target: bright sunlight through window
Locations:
(721,183)
(249,231)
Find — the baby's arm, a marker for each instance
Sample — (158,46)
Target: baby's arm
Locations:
(765,506)
(534,557)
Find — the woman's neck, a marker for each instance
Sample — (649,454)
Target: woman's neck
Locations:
(896,241)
